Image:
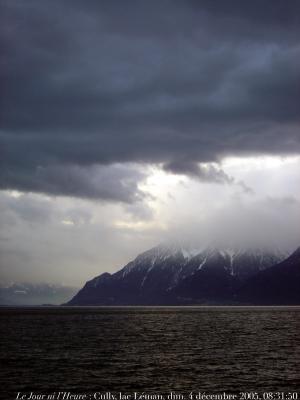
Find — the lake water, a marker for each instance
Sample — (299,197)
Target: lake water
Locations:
(210,349)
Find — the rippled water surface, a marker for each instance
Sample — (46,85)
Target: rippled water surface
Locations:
(150,349)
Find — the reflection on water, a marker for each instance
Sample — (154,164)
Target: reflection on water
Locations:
(150,349)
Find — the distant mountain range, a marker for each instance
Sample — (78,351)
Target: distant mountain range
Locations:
(172,275)
(35,294)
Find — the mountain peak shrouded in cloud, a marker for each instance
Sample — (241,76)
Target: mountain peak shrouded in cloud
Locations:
(124,124)
(177,275)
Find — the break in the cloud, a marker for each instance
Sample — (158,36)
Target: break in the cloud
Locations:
(101,83)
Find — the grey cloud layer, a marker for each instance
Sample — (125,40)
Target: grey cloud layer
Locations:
(110,183)
(88,83)
(206,173)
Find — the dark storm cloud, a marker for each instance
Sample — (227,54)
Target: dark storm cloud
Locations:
(89,82)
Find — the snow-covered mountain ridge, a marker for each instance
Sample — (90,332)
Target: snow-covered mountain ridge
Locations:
(239,262)
(165,272)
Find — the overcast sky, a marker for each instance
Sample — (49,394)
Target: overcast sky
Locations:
(127,123)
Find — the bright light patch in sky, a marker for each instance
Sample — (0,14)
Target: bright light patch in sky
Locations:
(259,163)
